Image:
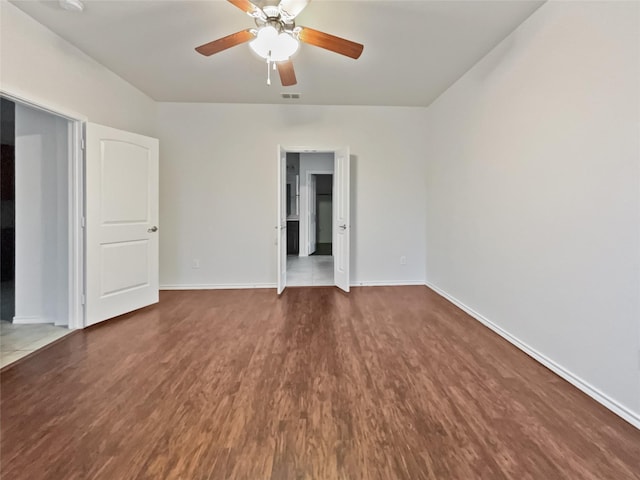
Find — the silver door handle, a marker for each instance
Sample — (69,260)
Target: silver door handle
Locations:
(153,229)
(343,227)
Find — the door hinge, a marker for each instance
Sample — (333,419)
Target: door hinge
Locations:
(82,143)
(82,299)
(82,222)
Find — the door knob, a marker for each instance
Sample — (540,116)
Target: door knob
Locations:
(343,227)
(153,229)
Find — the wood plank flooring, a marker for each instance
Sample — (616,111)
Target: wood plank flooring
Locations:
(384,383)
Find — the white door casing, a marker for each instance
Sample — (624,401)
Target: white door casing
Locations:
(341,219)
(122,245)
(281,226)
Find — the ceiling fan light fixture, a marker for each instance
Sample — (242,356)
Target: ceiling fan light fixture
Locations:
(277,38)
(274,46)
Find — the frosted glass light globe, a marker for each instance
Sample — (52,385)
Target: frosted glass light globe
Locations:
(273,46)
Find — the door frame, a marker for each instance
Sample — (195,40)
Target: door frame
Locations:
(308,224)
(76,201)
(300,149)
(281,222)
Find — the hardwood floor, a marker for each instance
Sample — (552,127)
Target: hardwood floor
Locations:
(384,383)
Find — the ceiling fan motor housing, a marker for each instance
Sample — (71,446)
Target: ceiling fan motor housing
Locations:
(276,20)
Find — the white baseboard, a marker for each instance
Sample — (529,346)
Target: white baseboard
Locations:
(234,286)
(602,398)
(384,283)
(31,320)
(217,286)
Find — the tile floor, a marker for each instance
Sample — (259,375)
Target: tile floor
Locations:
(17,341)
(315,270)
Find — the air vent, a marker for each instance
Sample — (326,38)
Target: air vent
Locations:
(291,96)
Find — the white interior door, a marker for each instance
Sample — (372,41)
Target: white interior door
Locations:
(121,222)
(341,220)
(281,227)
(312,214)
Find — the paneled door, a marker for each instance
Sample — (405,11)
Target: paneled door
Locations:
(341,219)
(121,189)
(281,227)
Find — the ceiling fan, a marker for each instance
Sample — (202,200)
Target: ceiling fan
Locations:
(277,37)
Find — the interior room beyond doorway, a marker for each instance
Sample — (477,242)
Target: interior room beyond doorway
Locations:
(310,219)
(35,219)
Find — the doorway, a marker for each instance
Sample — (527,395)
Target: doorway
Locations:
(313,214)
(324,214)
(36,250)
(105,224)
(304,267)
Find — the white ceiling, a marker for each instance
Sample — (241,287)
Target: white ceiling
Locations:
(413,49)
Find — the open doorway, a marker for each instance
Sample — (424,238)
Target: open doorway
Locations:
(72,260)
(335,162)
(313,218)
(324,214)
(37,153)
(309,185)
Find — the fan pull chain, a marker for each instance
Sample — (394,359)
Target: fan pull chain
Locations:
(269,68)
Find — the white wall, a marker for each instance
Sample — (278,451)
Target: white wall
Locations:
(533,192)
(37,64)
(42,211)
(310,162)
(218,188)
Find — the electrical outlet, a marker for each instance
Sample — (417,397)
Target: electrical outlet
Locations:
(403,260)
(195,263)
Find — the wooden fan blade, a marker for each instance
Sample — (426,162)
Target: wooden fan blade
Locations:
(248,7)
(330,42)
(225,42)
(292,8)
(287,73)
